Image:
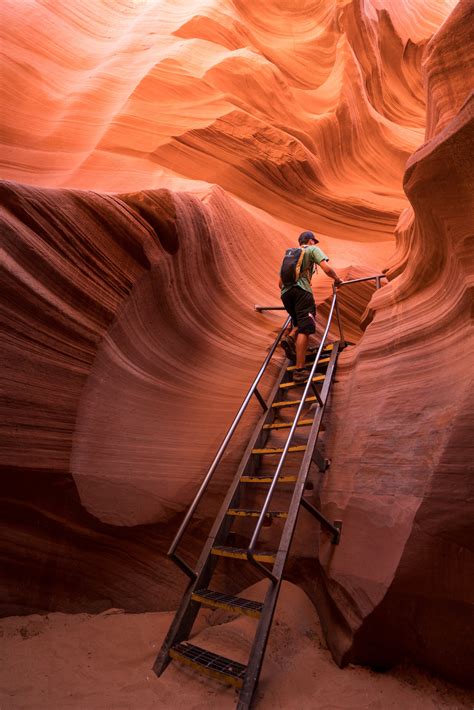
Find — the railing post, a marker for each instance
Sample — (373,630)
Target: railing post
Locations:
(339,320)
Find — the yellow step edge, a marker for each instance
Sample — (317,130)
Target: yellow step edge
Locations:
(324,361)
(255,613)
(287,385)
(254,513)
(292,402)
(268,479)
(287,425)
(291,450)
(259,556)
(237,682)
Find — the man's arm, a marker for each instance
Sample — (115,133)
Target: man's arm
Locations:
(330,272)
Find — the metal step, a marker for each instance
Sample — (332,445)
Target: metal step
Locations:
(203,661)
(287,425)
(217,600)
(325,350)
(247,513)
(267,478)
(289,385)
(292,403)
(239,553)
(323,361)
(291,450)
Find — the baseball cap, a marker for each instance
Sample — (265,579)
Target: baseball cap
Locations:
(306,236)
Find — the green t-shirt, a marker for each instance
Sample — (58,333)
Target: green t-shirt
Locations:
(312,255)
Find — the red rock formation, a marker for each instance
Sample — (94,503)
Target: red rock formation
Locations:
(130,337)
(401,476)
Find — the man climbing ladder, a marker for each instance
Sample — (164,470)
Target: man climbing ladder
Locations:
(297,295)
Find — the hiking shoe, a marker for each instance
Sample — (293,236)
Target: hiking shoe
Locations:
(300,375)
(288,345)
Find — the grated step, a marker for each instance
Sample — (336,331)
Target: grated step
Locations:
(239,553)
(287,425)
(292,403)
(289,385)
(217,600)
(209,663)
(325,351)
(247,513)
(291,450)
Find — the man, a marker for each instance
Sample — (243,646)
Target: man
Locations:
(298,300)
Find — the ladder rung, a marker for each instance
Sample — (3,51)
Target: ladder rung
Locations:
(217,600)
(247,513)
(292,403)
(287,425)
(311,352)
(268,479)
(241,554)
(209,663)
(288,385)
(291,450)
(323,361)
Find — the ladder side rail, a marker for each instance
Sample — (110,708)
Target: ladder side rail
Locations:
(172,550)
(265,417)
(264,625)
(258,526)
(259,645)
(290,525)
(188,609)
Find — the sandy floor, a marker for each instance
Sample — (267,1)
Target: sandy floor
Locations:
(103,662)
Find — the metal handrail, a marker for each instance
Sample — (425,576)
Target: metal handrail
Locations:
(309,383)
(377,278)
(252,391)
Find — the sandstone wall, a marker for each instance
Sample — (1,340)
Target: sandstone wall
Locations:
(402,417)
(191,144)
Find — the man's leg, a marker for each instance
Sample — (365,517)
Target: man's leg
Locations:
(288,342)
(305,313)
(301,347)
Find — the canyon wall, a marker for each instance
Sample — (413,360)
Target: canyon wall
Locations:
(402,416)
(158,158)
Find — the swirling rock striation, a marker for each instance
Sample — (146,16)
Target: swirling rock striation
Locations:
(210,135)
(120,359)
(401,475)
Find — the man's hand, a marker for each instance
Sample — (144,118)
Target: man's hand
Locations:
(338,281)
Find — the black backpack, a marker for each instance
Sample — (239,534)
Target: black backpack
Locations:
(291,266)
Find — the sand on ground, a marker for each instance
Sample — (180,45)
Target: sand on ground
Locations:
(103,662)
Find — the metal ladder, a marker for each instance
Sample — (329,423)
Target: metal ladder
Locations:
(251,474)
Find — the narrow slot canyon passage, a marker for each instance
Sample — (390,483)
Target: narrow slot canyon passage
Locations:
(158,158)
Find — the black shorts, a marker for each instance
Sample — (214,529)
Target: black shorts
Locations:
(302,309)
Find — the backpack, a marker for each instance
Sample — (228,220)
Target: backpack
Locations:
(290,270)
